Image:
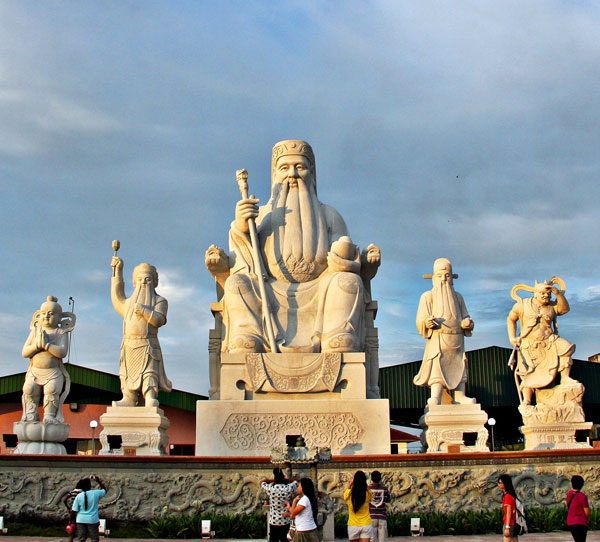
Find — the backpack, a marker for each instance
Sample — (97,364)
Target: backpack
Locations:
(522,520)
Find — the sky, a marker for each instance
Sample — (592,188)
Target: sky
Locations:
(459,129)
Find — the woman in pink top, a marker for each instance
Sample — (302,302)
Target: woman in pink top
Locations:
(578,510)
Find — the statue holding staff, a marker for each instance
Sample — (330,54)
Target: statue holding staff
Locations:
(141,371)
(46,346)
(299,273)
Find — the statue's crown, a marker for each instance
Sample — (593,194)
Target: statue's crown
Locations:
(292,146)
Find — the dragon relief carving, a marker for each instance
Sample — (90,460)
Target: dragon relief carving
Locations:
(144,495)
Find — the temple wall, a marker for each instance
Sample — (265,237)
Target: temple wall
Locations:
(147,487)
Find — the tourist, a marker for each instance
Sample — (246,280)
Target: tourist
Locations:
(280,490)
(304,511)
(358,496)
(86,508)
(578,510)
(377,508)
(509,504)
(68,502)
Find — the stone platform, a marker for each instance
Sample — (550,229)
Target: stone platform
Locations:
(41,438)
(555,436)
(446,425)
(253,428)
(142,429)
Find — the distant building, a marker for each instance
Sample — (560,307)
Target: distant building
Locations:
(91,392)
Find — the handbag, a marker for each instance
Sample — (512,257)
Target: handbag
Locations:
(292,531)
(71,528)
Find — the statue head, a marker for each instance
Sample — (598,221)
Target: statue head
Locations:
(144,274)
(50,312)
(293,159)
(542,292)
(442,272)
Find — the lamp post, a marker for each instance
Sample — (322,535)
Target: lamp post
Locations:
(93,425)
(491,423)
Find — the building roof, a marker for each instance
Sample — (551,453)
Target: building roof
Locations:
(401,436)
(89,386)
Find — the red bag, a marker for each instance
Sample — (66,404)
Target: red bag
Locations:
(71,528)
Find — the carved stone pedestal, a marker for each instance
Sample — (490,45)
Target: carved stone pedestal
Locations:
(555,436)
(41,438)
(254,428)
(140,428)
(266,397)
(449,425)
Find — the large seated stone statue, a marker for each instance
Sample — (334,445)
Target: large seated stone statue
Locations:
(141,371)
(542,363)
(314,275)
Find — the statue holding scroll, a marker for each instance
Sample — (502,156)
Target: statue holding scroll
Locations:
(293,280)
(540,354)
(46,346)
(443,320)
(141,371)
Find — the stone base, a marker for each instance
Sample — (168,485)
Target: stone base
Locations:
(445,425)
(254,428)
(555,436)
(41,438)
(142,429)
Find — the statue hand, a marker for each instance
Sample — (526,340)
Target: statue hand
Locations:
(138,309)
(244,210)
(516,341)
(467,324)
(117,263)
(216,260)
(431,323)
(373,255)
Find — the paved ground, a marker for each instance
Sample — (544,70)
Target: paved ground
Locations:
(593,536)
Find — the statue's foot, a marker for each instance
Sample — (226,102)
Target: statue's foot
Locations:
(343,342)
(30,418)
(126,402)
(568,380)
(462,399)
(432,401)
(245,344)
(152,402)
(50,419)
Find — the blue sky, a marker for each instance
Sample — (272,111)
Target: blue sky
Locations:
(467,130)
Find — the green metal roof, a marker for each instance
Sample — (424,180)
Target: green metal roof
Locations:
(89,386)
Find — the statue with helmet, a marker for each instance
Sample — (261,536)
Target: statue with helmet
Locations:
(551,400)
(141,370)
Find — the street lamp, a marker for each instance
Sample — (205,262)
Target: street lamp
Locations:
(93,425)
(491,423)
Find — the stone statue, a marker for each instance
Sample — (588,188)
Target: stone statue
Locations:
(543,355)
(443,320)
(141,368)
(46,345)
(315,280)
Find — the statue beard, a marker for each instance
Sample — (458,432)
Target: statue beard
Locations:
(445,302)
(300,239)
(144,294)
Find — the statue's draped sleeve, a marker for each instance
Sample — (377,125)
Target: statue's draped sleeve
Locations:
(240,251)
(423,313)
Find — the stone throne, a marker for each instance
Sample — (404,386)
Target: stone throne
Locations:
(294,350)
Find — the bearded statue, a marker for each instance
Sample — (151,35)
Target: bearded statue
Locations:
(141,371)
(305,279)
(443,320)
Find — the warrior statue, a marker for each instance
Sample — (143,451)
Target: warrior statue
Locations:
(310,283)
(141,371)
(46,345)
(542,353)
(443,320)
